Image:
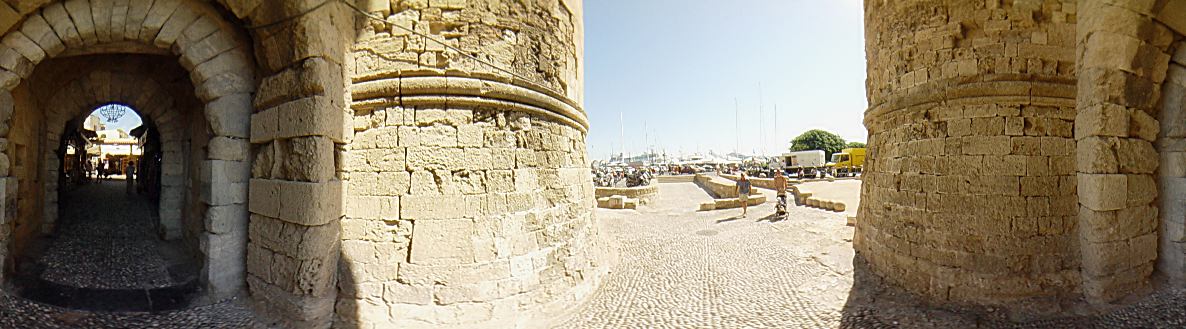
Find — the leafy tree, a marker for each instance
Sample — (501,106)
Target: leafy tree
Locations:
(854,145)
(816,139)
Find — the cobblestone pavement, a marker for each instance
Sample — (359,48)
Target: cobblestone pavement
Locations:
(685,269)
(16,312)
(105,240)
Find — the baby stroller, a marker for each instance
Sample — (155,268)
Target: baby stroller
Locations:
(780,209)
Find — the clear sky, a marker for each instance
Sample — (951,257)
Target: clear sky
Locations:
(678,65)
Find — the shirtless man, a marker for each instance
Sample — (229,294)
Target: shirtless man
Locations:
(780,185)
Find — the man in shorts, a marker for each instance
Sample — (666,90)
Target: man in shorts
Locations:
(743,190)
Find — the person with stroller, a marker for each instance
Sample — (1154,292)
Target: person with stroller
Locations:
(780,186)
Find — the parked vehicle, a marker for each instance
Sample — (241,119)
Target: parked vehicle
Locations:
(804,163)
(847,162)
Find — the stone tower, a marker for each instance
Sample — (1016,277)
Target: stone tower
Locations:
(344,163)
(1024,149)
(467,170)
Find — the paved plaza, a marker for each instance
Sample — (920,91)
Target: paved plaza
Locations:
(685,269)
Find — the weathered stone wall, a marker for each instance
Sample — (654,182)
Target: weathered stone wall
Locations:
(23,143)
(969,192)
(1171,183)
(1124,58)
(1012,146)
(468,195)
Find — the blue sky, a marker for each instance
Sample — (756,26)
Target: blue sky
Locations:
(678,65)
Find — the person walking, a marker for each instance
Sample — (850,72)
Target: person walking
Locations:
(780,186)
(130,176)
(743,190)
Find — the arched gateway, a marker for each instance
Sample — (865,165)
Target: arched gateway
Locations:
(347,163)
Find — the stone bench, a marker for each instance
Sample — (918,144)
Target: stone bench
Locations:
(643,194)
(617,202)
(804,198)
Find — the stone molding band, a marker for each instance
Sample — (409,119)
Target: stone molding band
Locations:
(426,90)
(1054,93)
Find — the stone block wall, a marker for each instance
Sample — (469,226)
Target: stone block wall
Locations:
(1012,147)
(1124,60)
(1171,181)
(969,192)
(467,192)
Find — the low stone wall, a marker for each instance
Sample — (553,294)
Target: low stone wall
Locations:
(806,199)
(757,182)
(643,193)
(724,192)
(718,187)
(675,178)
(715,204)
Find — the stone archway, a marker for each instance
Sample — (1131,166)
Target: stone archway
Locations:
(139,91)
(217,57)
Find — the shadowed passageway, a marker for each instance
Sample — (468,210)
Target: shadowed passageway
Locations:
(105,267)
(106,255)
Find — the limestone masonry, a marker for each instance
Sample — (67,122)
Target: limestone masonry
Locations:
(351,164)
(1025,150)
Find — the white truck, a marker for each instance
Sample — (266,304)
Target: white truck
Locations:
(803,164)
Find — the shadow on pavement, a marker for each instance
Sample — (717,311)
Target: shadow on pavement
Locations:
(730,219)
(774,217)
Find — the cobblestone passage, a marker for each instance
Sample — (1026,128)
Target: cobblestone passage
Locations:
(106,241)
(681,268)
(21,313)
(106,253)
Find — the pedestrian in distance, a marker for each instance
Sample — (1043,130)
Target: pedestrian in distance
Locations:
(743,190)
(130,176)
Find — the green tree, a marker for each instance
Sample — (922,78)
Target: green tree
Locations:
(854,145)
(816,139)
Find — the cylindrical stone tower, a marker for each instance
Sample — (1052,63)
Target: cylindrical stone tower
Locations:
(467,189)
(970,190)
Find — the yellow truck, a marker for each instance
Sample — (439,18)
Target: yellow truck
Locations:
(847,162)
